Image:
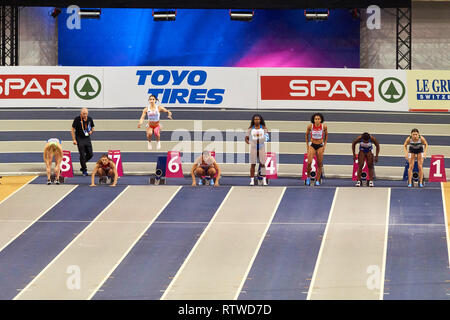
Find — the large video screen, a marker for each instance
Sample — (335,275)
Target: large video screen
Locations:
(208,37)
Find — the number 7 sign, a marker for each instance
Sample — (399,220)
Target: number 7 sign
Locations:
(115,156)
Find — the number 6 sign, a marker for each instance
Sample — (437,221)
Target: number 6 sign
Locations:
(173,167)
(437,169)
(66,165)
(115,156)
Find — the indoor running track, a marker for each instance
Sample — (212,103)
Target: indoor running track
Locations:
(231,242)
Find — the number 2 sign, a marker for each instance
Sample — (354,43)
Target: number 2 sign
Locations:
(66,165)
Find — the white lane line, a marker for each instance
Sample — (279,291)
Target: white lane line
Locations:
(195,246)
(132,245)
(68,246)
(383,266)
(259,245)
(322,245)
(444,205)
(17,190)
(34,221)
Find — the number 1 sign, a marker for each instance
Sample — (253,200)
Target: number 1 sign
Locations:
(173,167)
(437,169)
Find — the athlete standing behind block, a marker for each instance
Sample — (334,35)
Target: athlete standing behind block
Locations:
(416,142)
(256,135)
(105,167)
(365,152)
(53,149)
(153,127)
(316,147)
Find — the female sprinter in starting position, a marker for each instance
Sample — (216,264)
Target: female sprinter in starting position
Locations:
(205,165)
(105,167)
(53,149)
(365,153)
(416,142)
(153,113)
(316,147)
(256,135)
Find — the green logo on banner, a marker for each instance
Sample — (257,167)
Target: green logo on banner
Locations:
(87,87)
(392,90)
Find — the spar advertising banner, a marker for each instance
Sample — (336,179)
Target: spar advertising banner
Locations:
(51,87)
(429,90)
(313,88)
(181,86)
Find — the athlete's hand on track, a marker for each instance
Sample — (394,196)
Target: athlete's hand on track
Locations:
(216,184)
(112,185)
(193,184)
(139,125)
(74,142)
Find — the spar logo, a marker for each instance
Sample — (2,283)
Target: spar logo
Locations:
(87,87)
(180,86)
(34,86)
(433,89)
(317,88)
(391,90)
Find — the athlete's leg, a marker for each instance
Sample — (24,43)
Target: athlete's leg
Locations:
(369,157)
(319,163)
(58,160)
(199,172)
(149,134)
(411,160)
(211,172)
(361,158)
(311,153)
(420,166)
(48,164)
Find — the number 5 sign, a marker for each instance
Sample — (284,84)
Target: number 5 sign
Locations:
(173,167)
(114,155)
(66,165)
(271,165)
(437,169)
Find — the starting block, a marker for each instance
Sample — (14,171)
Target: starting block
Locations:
(313,173)
(53,178)
(260,176)
(104,180)
(160,172)
(415,173)
(364,173)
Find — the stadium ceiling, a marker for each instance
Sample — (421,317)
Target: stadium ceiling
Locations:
(215,4)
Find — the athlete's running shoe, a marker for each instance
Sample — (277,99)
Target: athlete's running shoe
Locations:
(211,182)
(252,182)
(358,183)
(49,182)
(317,183)
(370,183)
(56,181)
(158,145)
(149,145)
(410,185)
(308,181)
(200,182)
(421,185)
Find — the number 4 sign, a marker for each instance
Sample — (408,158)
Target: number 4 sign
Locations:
(173,167)
(271,165)
(114,155)
(66,165)
(437,169)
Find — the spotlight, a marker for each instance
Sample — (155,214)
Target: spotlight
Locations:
(168,15)
(55,12)
(90,13)
(317,14)
(242,15)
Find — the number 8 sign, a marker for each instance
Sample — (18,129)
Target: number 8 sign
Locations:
(173,167)
(66,165)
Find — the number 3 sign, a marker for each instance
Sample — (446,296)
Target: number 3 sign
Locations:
(173,167)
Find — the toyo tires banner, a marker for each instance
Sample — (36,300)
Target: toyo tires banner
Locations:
(248,88)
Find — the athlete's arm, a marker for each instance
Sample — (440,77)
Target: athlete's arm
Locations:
(375,141)
(424,141)
(94,172)
(308,130)
(193,170)
(325,136)
(405,145)
(247,137)
(353,146)
(161,108)
(219,172)
(72,132)
(141,120)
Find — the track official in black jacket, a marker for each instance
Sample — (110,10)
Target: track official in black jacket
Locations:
(82,129)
